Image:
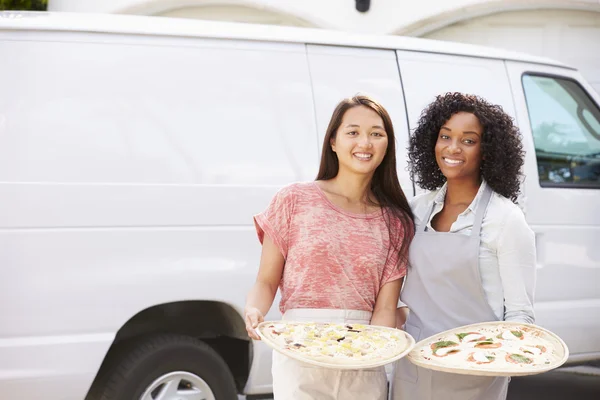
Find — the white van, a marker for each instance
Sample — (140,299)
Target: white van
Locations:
(135,150)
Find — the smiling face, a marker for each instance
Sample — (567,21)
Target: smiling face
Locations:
(458,147)
(361,141)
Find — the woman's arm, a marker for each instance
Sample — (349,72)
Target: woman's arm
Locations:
(384,313)
(263,292)
(516,262)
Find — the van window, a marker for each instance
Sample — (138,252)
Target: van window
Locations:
(565,123)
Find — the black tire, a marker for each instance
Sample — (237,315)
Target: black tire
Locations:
(136,368)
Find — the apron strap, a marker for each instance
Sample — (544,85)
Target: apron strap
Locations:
(481,207)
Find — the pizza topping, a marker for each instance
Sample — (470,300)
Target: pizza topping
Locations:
(355,328)
(488,344)
(277,329)
(536,351)
(442,344)
(443,348)
(529,350)
(470,336)
(511,335)
(481,357)
(542,348)
(518,359)
(444,351)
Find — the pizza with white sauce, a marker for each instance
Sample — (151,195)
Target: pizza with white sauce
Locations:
(342,346)
(493,349)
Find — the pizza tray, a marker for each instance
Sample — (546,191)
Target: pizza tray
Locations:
(560,356)
(408,346)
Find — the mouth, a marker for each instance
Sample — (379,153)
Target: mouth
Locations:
(363,156)
(452,161)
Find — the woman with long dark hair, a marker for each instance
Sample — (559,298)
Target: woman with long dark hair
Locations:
(473,257)
(337,249)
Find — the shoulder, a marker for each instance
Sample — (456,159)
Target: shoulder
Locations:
(421,203)
(502,208)
(294,195)
(294,190)
(508,216)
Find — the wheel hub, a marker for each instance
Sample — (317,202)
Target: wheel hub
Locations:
(178,385)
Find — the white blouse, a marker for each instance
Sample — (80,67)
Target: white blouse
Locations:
(507,255)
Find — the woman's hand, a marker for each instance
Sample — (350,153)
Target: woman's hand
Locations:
(253,317)
(401,316)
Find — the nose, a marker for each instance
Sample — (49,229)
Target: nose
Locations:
(454,147)
(365,141)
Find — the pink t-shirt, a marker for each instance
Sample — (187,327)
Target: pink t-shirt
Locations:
(333,258)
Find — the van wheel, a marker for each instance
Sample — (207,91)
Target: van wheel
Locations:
(169,367)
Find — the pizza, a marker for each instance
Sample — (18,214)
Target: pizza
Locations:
(493,348)
(337,345)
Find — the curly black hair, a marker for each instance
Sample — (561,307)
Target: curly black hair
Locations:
(501,146)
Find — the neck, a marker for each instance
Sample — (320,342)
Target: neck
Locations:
(355,188)
(462,191)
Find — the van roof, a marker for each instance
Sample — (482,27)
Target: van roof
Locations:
(182,27)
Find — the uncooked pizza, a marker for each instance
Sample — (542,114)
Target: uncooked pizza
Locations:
(337,345)
(494,348)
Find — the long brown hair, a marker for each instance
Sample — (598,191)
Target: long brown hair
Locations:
(385,185)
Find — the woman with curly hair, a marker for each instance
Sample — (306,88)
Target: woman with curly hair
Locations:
(473,256)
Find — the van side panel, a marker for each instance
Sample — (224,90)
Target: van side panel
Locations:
(340,72)
(130,168)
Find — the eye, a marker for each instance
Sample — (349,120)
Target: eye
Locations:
(442,136)
(352,133)
(469,141)
(377,134)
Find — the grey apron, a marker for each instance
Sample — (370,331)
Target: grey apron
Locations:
(443,291)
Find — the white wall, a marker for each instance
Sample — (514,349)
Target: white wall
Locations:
(385,16)
(235,13)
